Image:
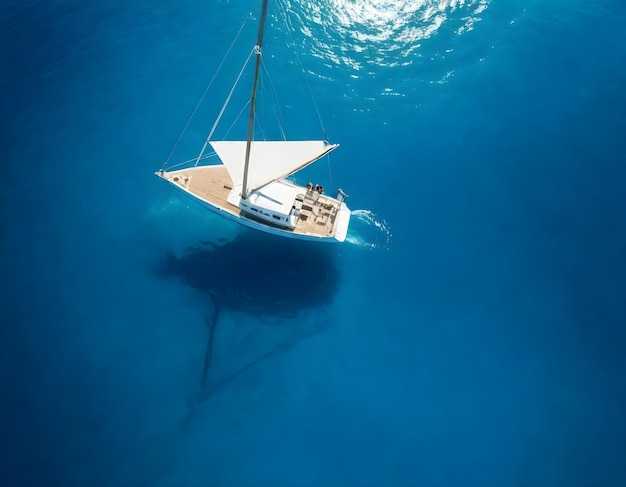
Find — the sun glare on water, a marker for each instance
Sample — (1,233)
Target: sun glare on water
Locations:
(358,33)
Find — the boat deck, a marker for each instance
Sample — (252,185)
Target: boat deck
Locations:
(212,184)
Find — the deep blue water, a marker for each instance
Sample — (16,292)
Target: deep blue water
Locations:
(470,333)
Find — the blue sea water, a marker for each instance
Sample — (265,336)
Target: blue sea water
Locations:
(469,333)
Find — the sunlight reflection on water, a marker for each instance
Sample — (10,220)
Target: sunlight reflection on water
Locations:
(386,33)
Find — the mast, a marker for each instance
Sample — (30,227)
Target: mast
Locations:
(257,66)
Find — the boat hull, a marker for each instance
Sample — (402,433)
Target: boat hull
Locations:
(221,207)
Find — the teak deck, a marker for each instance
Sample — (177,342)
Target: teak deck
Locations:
(212,184)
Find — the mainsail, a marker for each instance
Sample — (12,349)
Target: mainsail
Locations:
(269,160)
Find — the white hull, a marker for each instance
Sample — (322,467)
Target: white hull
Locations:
(212,195)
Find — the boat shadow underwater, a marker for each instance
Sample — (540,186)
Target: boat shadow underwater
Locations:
(280,283)
(264,276)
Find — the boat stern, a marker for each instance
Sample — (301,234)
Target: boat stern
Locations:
(342,223)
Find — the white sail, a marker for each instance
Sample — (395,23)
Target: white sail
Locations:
(269,160)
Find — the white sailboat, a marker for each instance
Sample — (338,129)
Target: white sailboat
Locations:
(250,185)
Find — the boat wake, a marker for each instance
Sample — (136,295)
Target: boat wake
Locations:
(369,231)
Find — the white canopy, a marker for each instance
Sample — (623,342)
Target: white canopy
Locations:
(269,160)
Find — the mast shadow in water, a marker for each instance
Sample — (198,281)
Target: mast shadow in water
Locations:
(278,281)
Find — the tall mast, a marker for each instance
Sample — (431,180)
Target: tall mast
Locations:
(257,66)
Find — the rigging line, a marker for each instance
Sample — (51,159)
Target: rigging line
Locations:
(205,92)
(206,142)
(259,110)
(230,95)
(206,156)
(236,119)
(330,174)
(306,81)
(273,95)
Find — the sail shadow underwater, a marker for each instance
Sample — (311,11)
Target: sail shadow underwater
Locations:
(283,285)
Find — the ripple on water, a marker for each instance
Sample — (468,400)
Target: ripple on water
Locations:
(369,231)
(366,34)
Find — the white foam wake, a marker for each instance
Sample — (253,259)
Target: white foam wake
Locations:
(367,230)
